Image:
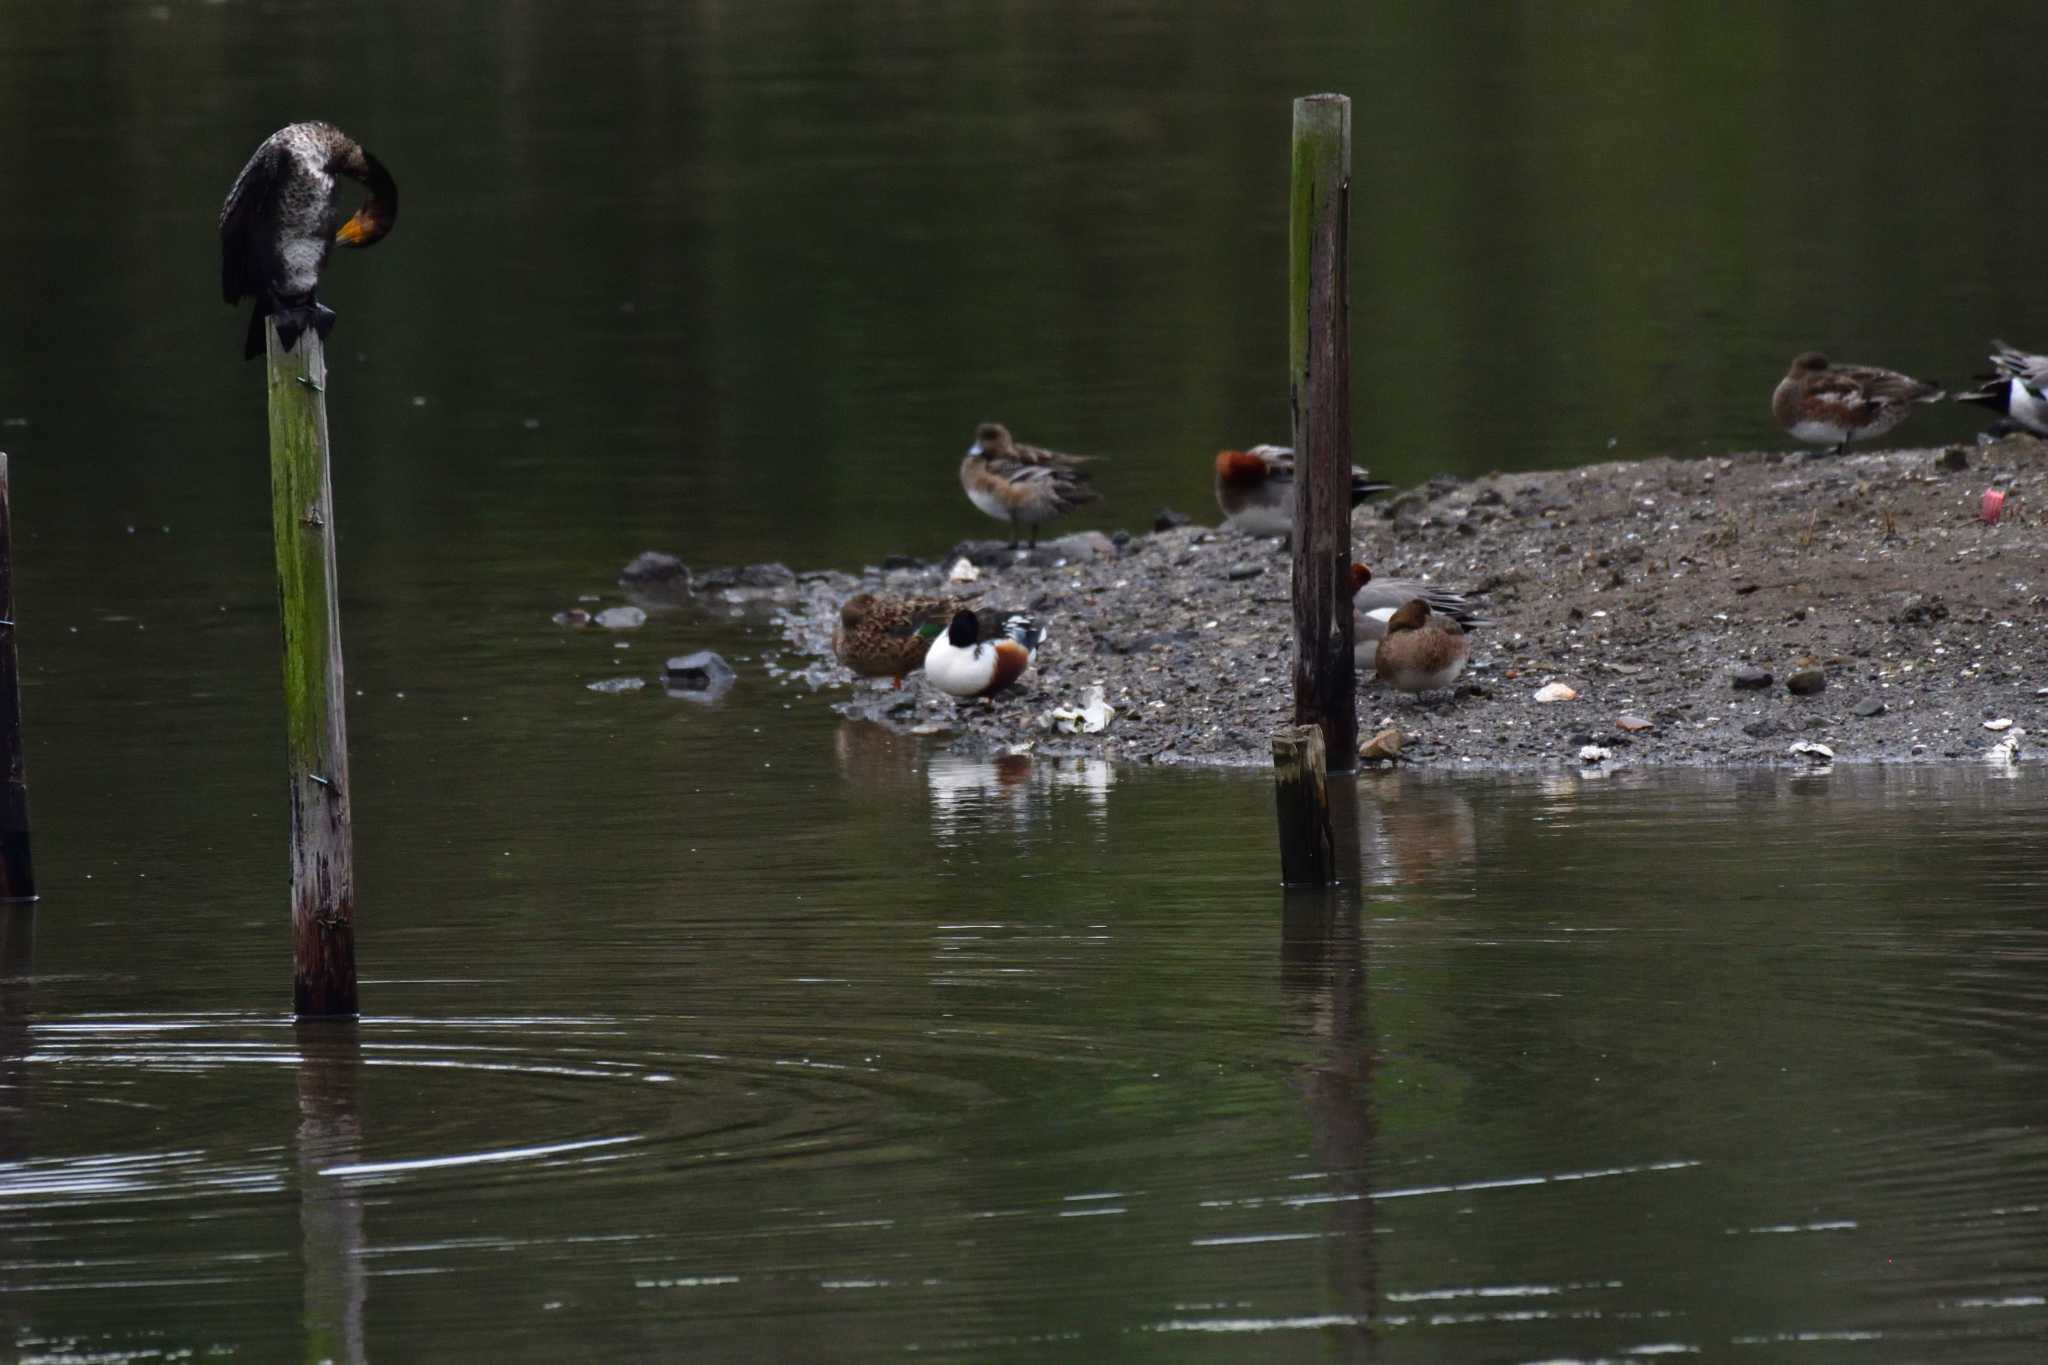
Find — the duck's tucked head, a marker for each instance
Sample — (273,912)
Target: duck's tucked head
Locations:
(855,609)
(1240,467)
(965,631)
(1411,615)
(1809,362)
(1360,576)
(991,438)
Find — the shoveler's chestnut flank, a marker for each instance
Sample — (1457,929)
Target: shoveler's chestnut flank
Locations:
(880,636)
(964,664)
(1255,489)
(1374,601)
(1422,650)
(281,219)
(1023,485)
(2017,387)
(1836,404)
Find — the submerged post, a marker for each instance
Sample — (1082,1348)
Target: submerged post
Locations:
(316,732)
(17,872)
(1301,794)
(1319,393)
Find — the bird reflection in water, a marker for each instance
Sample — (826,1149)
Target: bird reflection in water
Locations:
(1015,791)
(1412,830)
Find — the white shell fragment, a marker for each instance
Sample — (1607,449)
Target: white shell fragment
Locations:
(1816,753)
(963,571)
(2002,723)
(1091,717)
(1556,691)
(2006,753)
(1594,753)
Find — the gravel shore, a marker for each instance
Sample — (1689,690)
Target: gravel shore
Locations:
(1648,587)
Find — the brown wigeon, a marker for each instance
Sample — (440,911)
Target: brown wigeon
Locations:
(1255,489)
(1374,601)
(1022,485)
(1422,651)
(1836,404)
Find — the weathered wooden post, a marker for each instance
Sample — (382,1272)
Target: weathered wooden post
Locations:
(316,732)
(17,871)
(1319,393)
(1301,794)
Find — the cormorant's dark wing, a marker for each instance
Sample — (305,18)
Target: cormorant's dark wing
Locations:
(249,222)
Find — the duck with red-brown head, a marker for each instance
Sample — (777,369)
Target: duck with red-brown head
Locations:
(1423,651)
(283,216)
(1831,404)
(1255,489)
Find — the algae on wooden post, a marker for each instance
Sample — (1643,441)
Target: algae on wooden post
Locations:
(1319,394)
(316,732)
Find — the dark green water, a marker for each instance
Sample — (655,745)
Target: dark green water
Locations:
(727,1033)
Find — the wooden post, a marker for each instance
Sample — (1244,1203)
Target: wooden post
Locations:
(1301,794)
(17,872)
(316,732)
(1319,393)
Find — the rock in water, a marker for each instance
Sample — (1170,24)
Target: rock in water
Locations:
(703,671)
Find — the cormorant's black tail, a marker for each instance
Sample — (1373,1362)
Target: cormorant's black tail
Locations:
(253,345)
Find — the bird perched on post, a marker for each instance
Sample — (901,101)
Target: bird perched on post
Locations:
(963,663)
(1375,600)
(283,216)
(1836,404)
(1023,485)
(1255,489)
(2017,387)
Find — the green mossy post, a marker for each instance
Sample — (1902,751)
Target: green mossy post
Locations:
(17,871)
(1319,393)
(316,731)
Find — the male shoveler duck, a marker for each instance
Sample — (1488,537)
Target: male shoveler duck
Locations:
(1836,404)
(2017,387)
(1255,489)
(965,664)
(1422,651)
(1375,600)
(281,219)
(880,636)
(1023,485)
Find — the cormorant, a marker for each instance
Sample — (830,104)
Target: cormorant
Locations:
(278,225)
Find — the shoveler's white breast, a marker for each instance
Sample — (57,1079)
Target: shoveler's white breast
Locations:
(2028,408)
(961,672)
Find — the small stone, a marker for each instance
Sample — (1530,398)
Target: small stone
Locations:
(1870,707)
(1954,459)
(652,566)
(1384,747)
(618,685)
(1750,678)
(621,618)
(1237,573)
(574,616)
(1632,723)
(701,671)
(1165,519)
(1807,682)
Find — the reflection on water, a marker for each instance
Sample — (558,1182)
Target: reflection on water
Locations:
(1584,1068)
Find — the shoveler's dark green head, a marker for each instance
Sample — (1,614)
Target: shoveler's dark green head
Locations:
(965,631)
